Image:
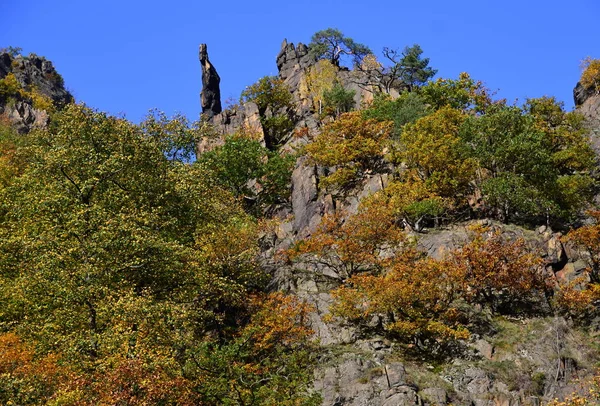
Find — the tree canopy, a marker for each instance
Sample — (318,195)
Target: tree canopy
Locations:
(331,44)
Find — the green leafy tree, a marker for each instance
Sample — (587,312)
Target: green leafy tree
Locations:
(123,264)
(463,93)
(407,70)
(331,44)
(405,109)
(536,160)
(338,100)
(275,103)
(241,160)
(351,144)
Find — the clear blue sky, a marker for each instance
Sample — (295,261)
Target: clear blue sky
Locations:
(129,56)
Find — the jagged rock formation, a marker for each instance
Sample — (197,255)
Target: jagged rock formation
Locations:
(293,64)
(587,102)
(210,97)
(365,370)
(34,73)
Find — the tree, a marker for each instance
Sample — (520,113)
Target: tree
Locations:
(414,299)
(351,144)
(536,159)
(590,76)
(499,272)
(353,245)
(338,100)
(274,102)
(320,78)
(331,44)
(587,239)
(463,93)
(411,70)
(12,51)
(124,264)
(405,109)
(432,147)
(412,202)
(240,160)
(407,70)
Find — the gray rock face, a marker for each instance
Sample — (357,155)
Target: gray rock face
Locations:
(33,73)
(581,94)
(210,97)
(587,102)
(357,381)
(292,62)
(23,117)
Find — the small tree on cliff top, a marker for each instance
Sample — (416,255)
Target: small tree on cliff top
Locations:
(332,44)
(590,77)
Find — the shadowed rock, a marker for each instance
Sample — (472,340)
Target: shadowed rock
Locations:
(210,97)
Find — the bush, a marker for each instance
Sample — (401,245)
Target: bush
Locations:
(590,77)
(351,144)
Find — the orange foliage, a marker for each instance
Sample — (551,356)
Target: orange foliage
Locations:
(590,77)
(416,296)
(587,238)
(588,395)
(493,266)
(365,241)
(278,320)
(351,144)
(32,379)
(577,298)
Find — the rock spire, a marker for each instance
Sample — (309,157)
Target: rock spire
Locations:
(210,97)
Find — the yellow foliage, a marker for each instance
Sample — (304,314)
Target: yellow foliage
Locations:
(433,147)
(11,88)
(320,78)
(350,143)
(590,77)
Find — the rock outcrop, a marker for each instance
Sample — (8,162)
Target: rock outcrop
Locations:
(587,102)
(34,74)
(210,97)
(358,369)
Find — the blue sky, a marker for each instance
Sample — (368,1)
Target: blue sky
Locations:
(129,56)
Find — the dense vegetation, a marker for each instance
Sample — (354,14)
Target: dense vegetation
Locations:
(128,277)
(129,267)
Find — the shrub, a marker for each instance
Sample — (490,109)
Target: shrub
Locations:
(590,76)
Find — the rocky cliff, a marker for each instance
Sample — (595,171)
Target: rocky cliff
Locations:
(37,77)
(587,102)
(524,361)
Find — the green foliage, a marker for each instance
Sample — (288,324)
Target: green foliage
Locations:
(431,146)
(463,94)
(122,262)
(175,137)
(10,86)
(405,109)
(11,89)
(331,44)
(268,93)
(412,70)
(240,160)
(274,102)
(536,159)
(12,51)
(338,100)
(351,144)
(407,70)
